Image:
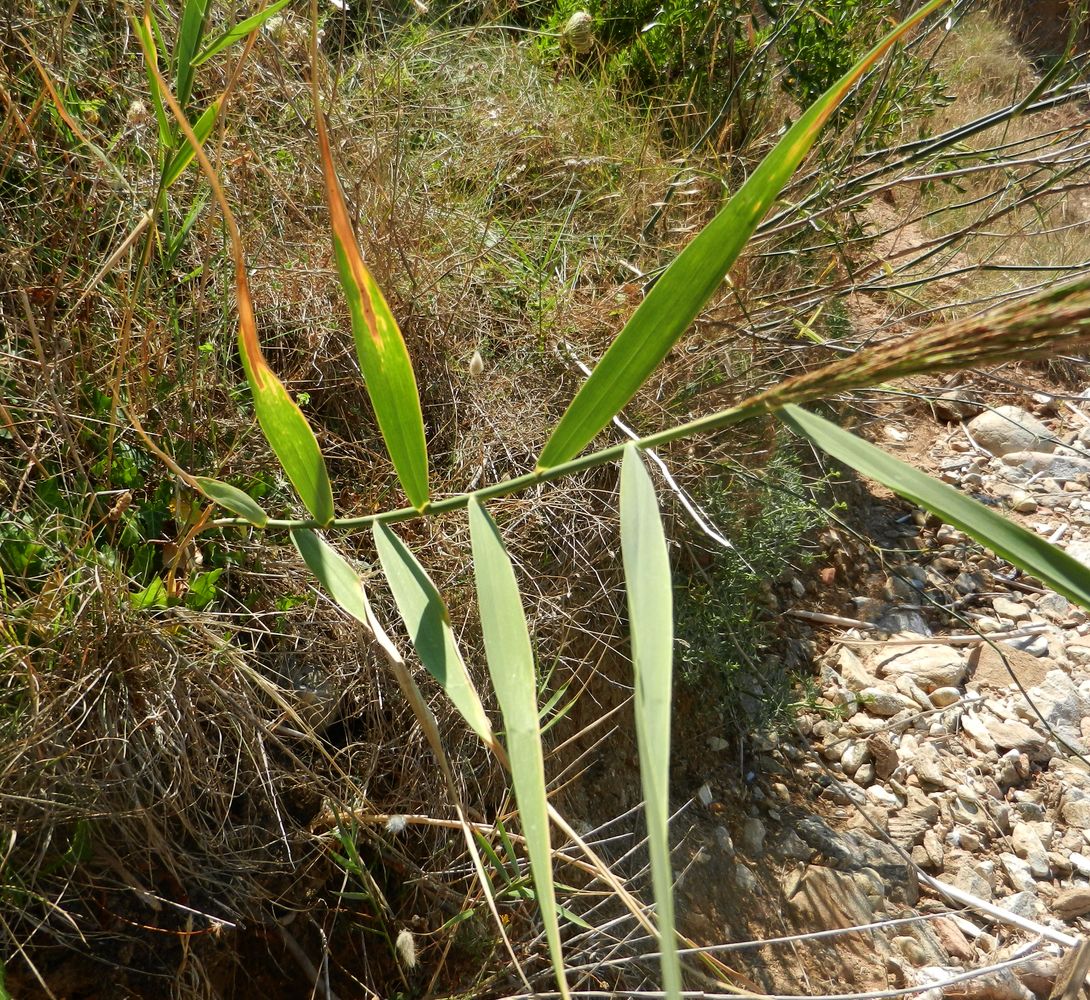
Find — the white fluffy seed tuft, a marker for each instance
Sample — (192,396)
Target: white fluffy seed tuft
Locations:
(396,825)
(406,948)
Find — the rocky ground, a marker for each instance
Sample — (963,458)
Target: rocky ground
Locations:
(944,782)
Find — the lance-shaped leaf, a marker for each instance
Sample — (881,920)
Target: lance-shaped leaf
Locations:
(685,287)
(384,358)
(334,573)
(428,624)
(1014,543)
(239,31)
(202,128)
(281,420)
(189,40)
(651,624)
(147,31)
(511,665)
(233,499)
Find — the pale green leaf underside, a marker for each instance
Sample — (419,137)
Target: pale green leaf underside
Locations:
(334,573)
(1014,543)
(233,499)
(511,665)
(428,624)
(651,625)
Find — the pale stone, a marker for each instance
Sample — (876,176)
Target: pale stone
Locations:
(944,696)
(931,666)
(1007,429)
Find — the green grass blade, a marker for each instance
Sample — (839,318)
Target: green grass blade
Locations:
(511,665)
(233,499)
(281,420)
(239,31)
(1023,548)
(202,129)
(428,624)
(147,30)
(383,356)
(682,291)
(651,622)
(177,240)
(189,40)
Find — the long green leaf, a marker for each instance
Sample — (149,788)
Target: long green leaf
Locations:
(334,573)
(233,499)
(428,624)
(282,422)
(511,665)
(189,40)
(651,623)
(202,128)
(383,356)
(239,31)
(147,31)
(682,291)
(1014,543)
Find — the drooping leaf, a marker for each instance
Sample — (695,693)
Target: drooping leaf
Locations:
(1063,573)
(233,499)
(651,622)
(428,624)
(282,422)
(511,666)
(334,573)
(202,128)
(189,40)
(240,30)
(383,356)
(685,287)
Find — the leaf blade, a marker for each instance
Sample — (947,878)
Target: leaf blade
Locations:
(511,666)
(282,422)
(239,31)
(687,284)
(189,39)
(383,357)
(147,31)
(428,624)
(334,573)
(1014,543)
(233,499)
(650,613)
(202,128)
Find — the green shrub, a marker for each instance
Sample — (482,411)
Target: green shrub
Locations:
(723,623)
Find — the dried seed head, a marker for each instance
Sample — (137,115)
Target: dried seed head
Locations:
(579,31)
(406,948)
(137,113)
(476,364)
(396,825)
(120,506)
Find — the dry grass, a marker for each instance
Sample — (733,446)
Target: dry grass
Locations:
(171,763)
(170,772)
